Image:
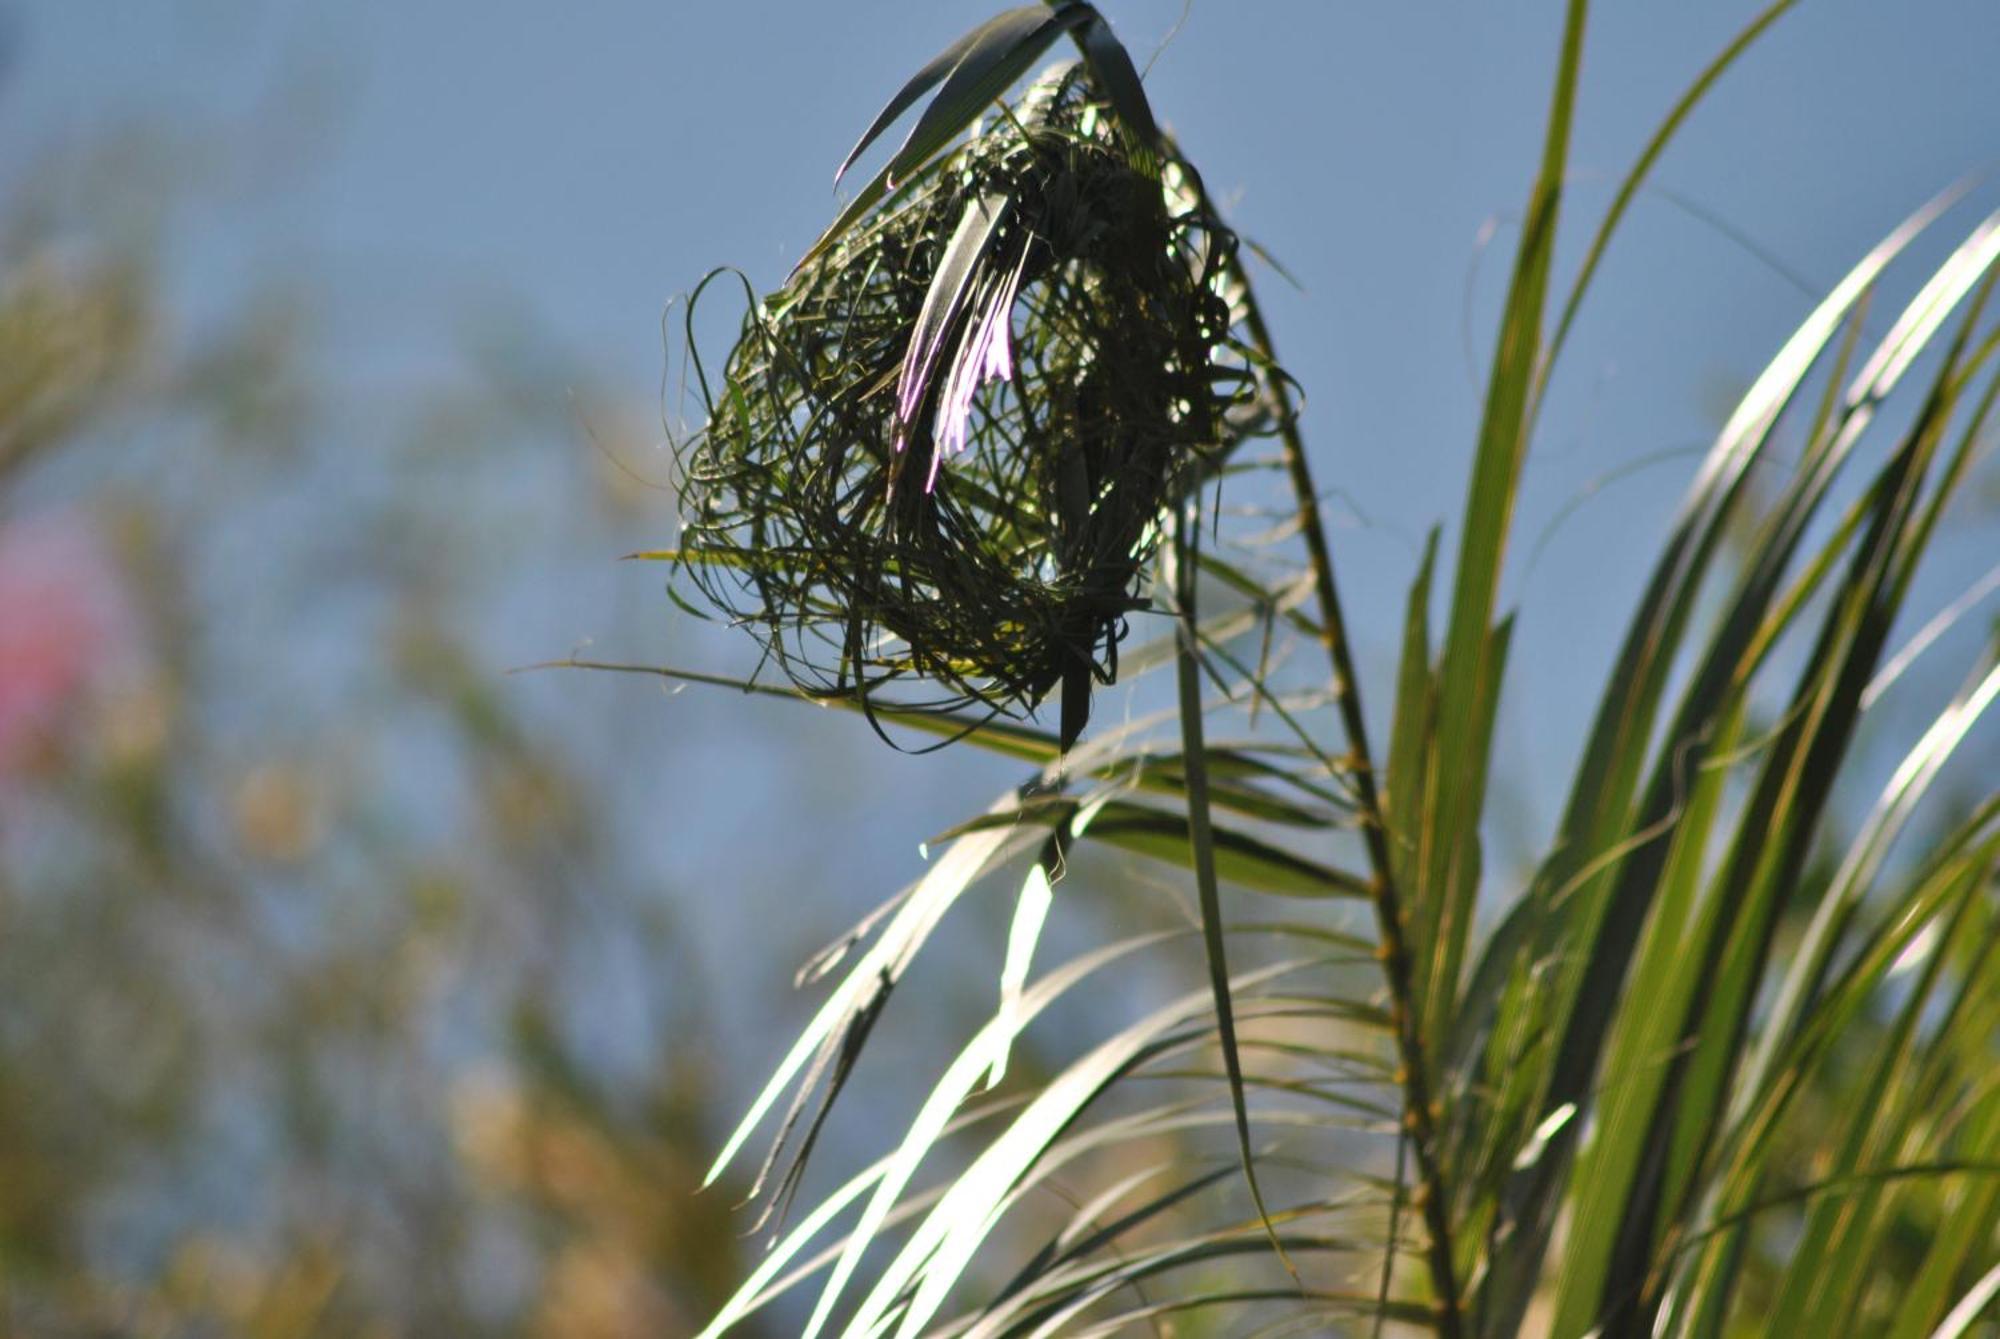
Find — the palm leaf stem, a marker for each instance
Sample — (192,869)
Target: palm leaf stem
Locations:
(1419,1114)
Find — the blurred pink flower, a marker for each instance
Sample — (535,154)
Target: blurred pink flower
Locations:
(64,614)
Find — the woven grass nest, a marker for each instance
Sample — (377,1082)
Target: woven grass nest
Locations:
(941,455)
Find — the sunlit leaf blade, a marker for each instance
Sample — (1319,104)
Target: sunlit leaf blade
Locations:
(1240,780)
(1321,1307)
(1611,1276)
(770,1278)
(1873,1132)
(1970,1307)
(1641,1044)
(943,1244)
(1946,619)
(957,1083)
(1092,1228)
(1031,913)
(1242,783)
(1091,1248)
(1446,923)
(1602,870)
(1911,937)
(1864,859)
(866,985)
(1066,1316)
(1648,1044)
(1469,671)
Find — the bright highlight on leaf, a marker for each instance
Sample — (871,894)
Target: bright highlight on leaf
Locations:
(1031,911)
(1721,1063)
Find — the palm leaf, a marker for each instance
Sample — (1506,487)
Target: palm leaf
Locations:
(1599,881)
(1648,1042)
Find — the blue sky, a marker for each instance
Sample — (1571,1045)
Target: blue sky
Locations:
(593,160)
(588,161)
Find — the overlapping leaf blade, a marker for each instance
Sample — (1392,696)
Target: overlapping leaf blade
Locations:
(1727,949)
(1591,899)
(1611,1015)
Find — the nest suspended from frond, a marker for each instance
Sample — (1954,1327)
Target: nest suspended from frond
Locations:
(944,451)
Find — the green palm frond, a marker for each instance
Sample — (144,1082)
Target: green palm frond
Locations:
(1723,1064)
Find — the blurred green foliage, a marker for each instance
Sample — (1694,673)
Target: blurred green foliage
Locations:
(289,879)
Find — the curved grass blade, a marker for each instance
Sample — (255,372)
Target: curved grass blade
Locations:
(1864,859)
(1086,1234)
(1000,53)
(1588,892)
(1635,177)
(1882,1126)
(957,1083)
(1048,1277)
(1967,1228)
(1233,769)
(1952,872)
(1469,674)
(1234,856)
(1112,65)
(1970,1307)
(868,983)
(992,58)
(930,1262)
(1329,1302)
(770,1278)
(1064,1319)
(1031,913)
(1003,30)
(1610,1280)
(1181,576)
(1415,717)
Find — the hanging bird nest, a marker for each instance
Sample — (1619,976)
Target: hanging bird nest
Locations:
(943,452)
